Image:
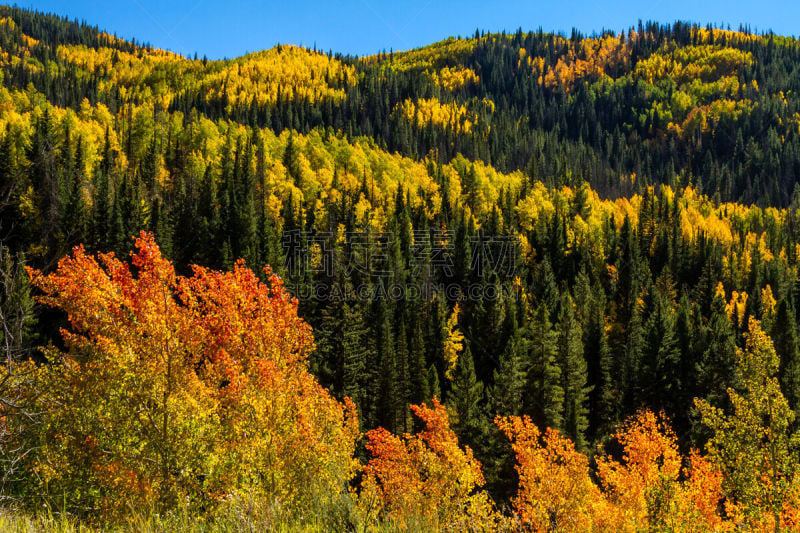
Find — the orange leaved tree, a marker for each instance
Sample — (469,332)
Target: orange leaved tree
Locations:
(555,491)
(425,480)
(190,390)
(644,489)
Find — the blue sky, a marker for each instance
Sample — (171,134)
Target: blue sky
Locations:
(232,28)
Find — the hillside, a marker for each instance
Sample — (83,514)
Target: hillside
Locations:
(563,232)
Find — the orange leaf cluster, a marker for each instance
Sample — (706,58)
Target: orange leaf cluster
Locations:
(555,490)
(425,480)
(197,384)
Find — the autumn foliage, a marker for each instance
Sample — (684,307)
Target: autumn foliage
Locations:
(193,391)
(178,389)
(427,479)
(555,490)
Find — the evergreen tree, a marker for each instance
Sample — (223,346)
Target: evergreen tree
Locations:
(716,367)
(355,355)
(389,400)
(573,373)
(465,401)
(17,319)
(505,397)
(420,391)
(659,379)
(787,346)
(9,213)
(598,366)
(544,391)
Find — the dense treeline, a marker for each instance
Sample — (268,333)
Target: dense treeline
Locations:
(658,104)
(570,229)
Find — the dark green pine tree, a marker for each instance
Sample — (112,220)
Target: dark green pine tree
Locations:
(209,238)
(433,383)
(787,346)
(659,379)
(419,388)
(356,350)
(574,378)
(150,164)
(290,161)
(17,319)
(270,246)
(119,238)
(245,210)
(130,203)
(690,337)
(602,398)
(75,213)
(161,225)
(43,174)
(545,287)
(486,325)
(387,391)
(462,260)
(9,212)
(101,210)
(544,398)
(716,367)
(465,399)
(403,377)
(627,363)
(505,396)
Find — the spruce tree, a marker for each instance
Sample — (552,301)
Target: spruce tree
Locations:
(787,346)
(505,396)
(573,374)
(17,318)
(465,400)
(716,368)
(603,396)
(419,384)
(355,347)
(544,392)
(659,381)
(388,395)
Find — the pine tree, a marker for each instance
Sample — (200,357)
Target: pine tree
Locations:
(659,379)
(573,374)
(717,365)
(17,318)
(9,214)
(355,354)
(388,396)
(505,397)
(150,165)
(787,346)
(433,383)
(465,400)
(44,179)
(544,392)
(161,226)
(403,378)
(74,216)
(420,391)
(603,396)
(101,210)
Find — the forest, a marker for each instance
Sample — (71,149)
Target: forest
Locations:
(504,282)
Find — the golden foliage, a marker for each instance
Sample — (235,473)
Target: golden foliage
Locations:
(182,389)
(430,111)
(425,480)
(453,342)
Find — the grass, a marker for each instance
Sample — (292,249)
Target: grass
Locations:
(20,523)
